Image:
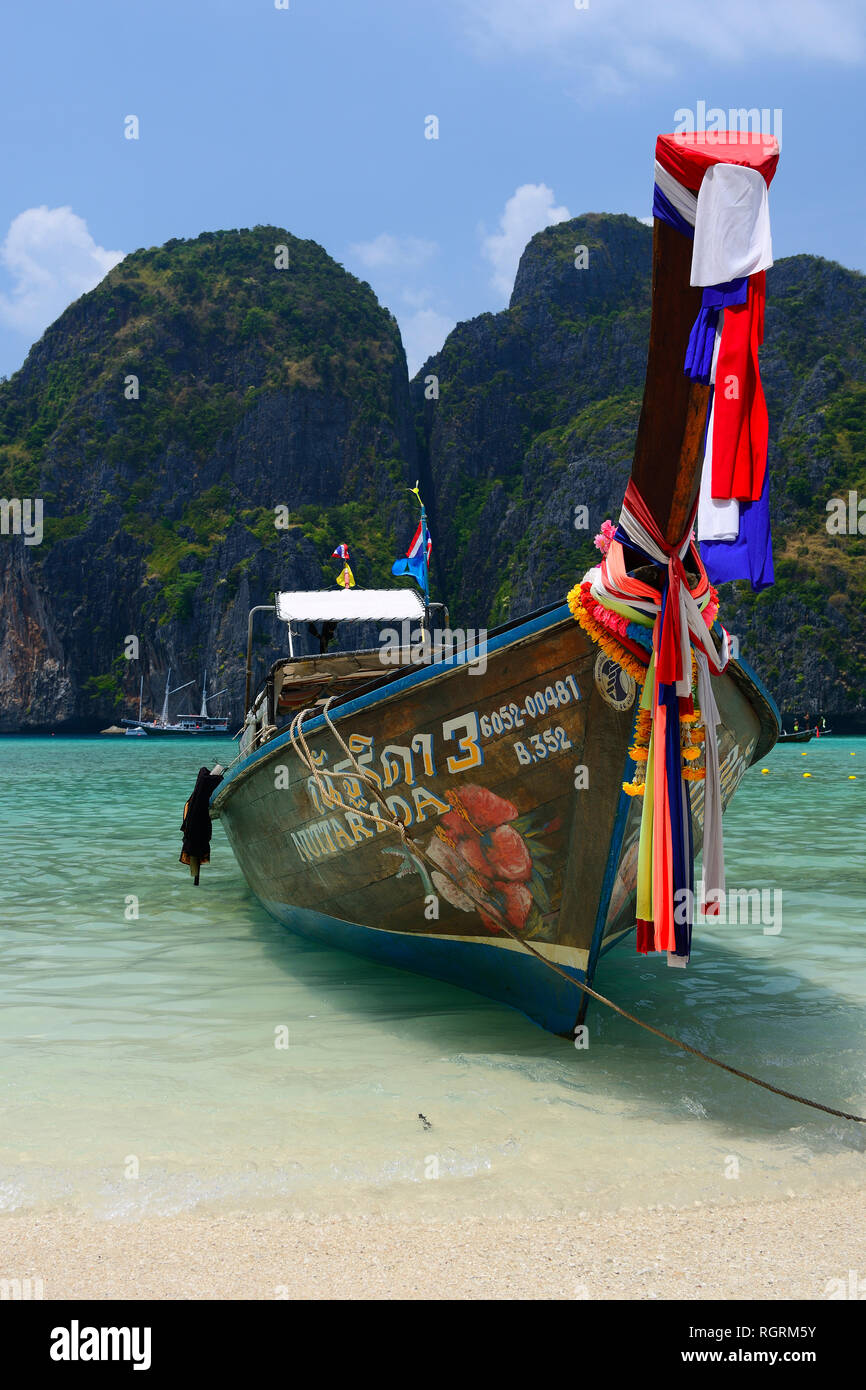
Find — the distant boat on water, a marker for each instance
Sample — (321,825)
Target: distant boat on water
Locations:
(798,735)
(188,725)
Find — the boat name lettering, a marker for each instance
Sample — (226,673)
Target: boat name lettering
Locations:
(334,834)
(398,764)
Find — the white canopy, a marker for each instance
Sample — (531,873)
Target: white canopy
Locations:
(348,605)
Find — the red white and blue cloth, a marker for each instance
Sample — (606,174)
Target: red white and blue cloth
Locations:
(712,187)
(416,545)
(417,559)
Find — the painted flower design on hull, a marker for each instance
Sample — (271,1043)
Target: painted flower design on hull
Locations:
(490,861)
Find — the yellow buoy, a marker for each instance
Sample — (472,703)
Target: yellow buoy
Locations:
(807,774)
(852,776)
(804,755)
(764,771)
(853,754)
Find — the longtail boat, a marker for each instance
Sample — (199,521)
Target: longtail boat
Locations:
(480,814)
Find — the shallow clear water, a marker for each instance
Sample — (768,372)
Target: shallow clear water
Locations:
(138,1066)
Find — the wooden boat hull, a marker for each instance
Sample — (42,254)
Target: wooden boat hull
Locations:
(511,778)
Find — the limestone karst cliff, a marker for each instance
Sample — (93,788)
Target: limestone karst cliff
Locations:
(166,416)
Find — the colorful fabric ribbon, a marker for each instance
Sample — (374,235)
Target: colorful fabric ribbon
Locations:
(740,428)
(699,353)
(712,187)
(680,614)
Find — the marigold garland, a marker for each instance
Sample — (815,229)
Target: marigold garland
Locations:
(634,788)
(588,613)
(691,741)
(639,752)
(603,627)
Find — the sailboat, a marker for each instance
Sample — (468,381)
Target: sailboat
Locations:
(182,724)
(500,815)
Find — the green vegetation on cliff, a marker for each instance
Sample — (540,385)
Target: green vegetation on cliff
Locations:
(167,420)
(209,387)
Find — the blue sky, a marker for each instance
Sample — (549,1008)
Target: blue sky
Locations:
(313,117)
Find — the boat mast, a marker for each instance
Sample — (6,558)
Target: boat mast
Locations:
(667,457)
(203,710)
(164,716)
(140,697)
(216,697)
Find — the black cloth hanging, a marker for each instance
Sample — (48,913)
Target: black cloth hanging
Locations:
(196,824)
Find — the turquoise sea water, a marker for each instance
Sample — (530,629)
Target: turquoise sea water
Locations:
(138,1066)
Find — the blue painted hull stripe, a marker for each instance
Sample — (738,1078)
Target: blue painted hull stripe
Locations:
(760,687)
(622,810)
(514,978)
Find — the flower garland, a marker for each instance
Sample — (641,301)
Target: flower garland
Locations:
(639,752)
(600,624)
(692,743)
(608,630)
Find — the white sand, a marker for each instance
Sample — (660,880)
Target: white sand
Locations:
(761,1250)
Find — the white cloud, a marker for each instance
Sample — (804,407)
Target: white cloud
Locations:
(647,221)
(528,210)
(739,31)
(393,263)
(52,260)
(423,333)
(386,252)
(417,299)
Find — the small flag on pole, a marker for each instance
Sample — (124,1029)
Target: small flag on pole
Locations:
(345,578)
(417,560)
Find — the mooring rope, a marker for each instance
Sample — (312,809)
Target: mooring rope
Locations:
(333,797)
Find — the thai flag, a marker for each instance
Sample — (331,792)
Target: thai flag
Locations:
(341,553)
(417,561)
(416,546)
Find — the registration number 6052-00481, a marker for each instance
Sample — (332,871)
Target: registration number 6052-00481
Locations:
(514,716)
(542,745)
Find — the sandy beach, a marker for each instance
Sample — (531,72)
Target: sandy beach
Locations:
(765,1250)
